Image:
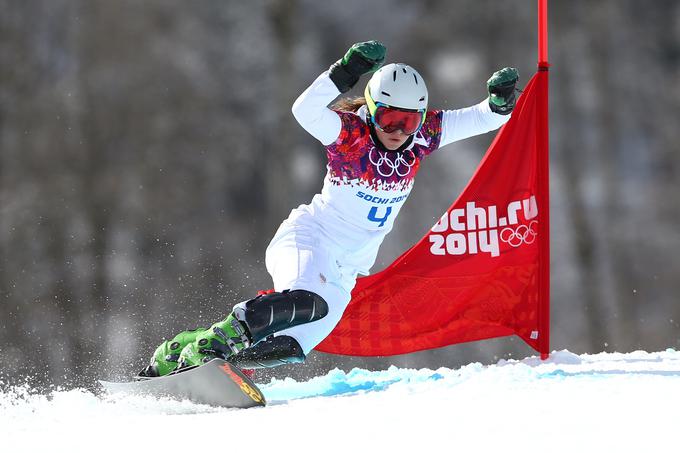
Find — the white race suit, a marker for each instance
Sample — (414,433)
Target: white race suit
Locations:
(322,246)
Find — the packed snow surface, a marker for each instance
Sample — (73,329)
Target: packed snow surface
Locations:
(569,403)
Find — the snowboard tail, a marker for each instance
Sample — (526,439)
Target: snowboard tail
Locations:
(216,383)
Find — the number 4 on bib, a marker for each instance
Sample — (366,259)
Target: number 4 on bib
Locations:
(373,215)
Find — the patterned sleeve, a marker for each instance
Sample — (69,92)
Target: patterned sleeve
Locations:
(352,130)
(431,132)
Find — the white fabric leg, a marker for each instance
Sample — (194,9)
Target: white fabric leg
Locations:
(297,258)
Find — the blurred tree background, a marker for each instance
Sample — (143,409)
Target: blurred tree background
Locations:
(148,154)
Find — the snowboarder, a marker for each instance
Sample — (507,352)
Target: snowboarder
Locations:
(374,145)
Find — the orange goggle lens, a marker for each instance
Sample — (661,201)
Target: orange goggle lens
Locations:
(391,119)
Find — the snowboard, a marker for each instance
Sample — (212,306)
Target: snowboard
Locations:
(216,383)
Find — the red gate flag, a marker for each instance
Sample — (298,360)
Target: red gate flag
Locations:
(483,270)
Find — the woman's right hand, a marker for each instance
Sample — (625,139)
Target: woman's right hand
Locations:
(364,57)
(361,58)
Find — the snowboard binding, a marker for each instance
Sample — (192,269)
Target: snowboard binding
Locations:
(245,337)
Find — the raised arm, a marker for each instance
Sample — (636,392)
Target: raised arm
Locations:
(470,121)
(311,108)
(488,115)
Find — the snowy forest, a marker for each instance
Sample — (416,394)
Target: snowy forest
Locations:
(148,154)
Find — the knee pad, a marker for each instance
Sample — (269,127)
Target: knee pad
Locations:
(271,313)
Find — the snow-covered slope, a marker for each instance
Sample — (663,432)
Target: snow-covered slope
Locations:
(589,403)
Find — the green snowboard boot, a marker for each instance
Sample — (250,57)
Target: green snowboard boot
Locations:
(164,360)
(222,340)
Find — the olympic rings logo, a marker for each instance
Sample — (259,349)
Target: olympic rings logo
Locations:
(523,234)
(395,166)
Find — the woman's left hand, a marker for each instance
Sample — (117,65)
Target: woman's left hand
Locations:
(501,88)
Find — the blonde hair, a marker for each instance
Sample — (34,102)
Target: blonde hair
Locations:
(349,104)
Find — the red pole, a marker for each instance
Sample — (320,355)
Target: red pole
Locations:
(543,33)
(543,196)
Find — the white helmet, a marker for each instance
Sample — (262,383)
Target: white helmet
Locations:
(396,85)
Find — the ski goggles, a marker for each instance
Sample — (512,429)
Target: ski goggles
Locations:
(390,119)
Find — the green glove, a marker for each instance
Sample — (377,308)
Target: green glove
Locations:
(365,56)
(361,58)
(501,88)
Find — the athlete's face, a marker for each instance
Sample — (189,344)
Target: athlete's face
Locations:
(392,140)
